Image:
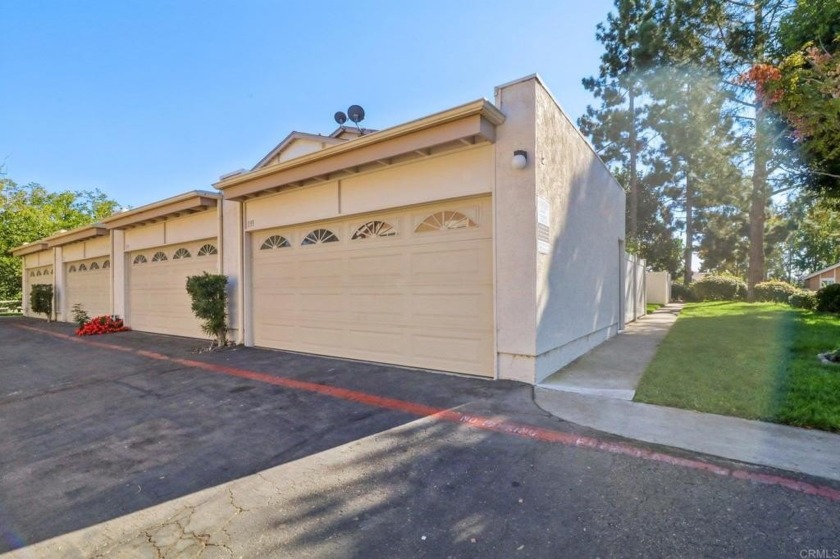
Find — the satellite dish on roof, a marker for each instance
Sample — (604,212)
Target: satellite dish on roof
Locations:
(340,118)
(356,113)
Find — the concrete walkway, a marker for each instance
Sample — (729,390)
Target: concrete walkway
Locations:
(597,389)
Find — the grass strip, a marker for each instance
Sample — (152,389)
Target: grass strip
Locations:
(727,358)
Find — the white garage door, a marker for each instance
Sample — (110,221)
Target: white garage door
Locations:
(157,295)
(88,284)
(35,276)
(411,287)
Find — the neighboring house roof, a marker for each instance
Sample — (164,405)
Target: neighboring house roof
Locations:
(824,270)
(183,204)
(291,139)
(466,124)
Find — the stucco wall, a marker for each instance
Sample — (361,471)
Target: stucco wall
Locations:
(202,225)
(514,234)
(578,287)
(460,174)
(230,250)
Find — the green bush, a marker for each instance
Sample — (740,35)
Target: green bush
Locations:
(209,303)
(828,298)
(774,291)
(719,288)
(803,299)
(680,292)
(40,299)
(80,315)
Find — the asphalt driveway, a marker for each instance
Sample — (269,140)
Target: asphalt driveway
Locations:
(363,460)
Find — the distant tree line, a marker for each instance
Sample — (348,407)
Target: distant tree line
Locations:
(721,118)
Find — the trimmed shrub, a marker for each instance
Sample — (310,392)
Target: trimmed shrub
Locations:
(828,298)
(803,299)
(40,299)
(719,288)
(774,291)
(208,293)
(680,292)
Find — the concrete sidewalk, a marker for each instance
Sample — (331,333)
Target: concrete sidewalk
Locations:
(597,389)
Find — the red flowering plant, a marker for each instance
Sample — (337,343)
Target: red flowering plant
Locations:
(99,325)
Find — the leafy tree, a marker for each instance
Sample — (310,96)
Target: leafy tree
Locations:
(615,127)
(744,35)
(30,212)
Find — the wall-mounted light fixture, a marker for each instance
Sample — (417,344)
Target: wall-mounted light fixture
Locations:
(520,159)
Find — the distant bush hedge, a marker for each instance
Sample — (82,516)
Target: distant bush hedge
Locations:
(803,299)
(680,292)
(719,288)
(774,291)
(828,298)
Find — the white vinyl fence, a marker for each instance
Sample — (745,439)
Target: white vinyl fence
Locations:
(658,287)
(635,299)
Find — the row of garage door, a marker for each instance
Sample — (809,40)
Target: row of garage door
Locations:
(411,287)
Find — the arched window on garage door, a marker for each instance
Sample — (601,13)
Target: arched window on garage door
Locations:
(441,221)
(181,253)
(275,241)
(374,229)
(207,250)
(140,259)
(319,236)
(94,266)
(159,257)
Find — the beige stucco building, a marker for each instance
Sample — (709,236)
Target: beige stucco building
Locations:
(486,239)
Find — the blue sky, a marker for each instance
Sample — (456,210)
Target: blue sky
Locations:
(145,99)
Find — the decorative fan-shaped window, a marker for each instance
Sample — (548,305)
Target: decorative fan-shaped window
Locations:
(207,250)
(106,264)
(140,259)
(181,253)
(82,268)
(71,269)
(319,236)
(275,241)
(375,229)
(32,274)
(50,272)
(441,221)
(94,266)
(159,257)
(38,273)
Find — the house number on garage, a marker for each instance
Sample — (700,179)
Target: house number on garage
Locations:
(543,226)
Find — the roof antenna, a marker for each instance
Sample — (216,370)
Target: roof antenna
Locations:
(355,113)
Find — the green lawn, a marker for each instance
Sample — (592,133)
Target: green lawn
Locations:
(756,361)
(650,307)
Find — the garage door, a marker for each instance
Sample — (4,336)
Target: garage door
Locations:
(35,276)
(157,294)
(88,284)
(411,288)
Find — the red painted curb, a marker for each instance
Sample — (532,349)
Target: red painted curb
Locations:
(476,421)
